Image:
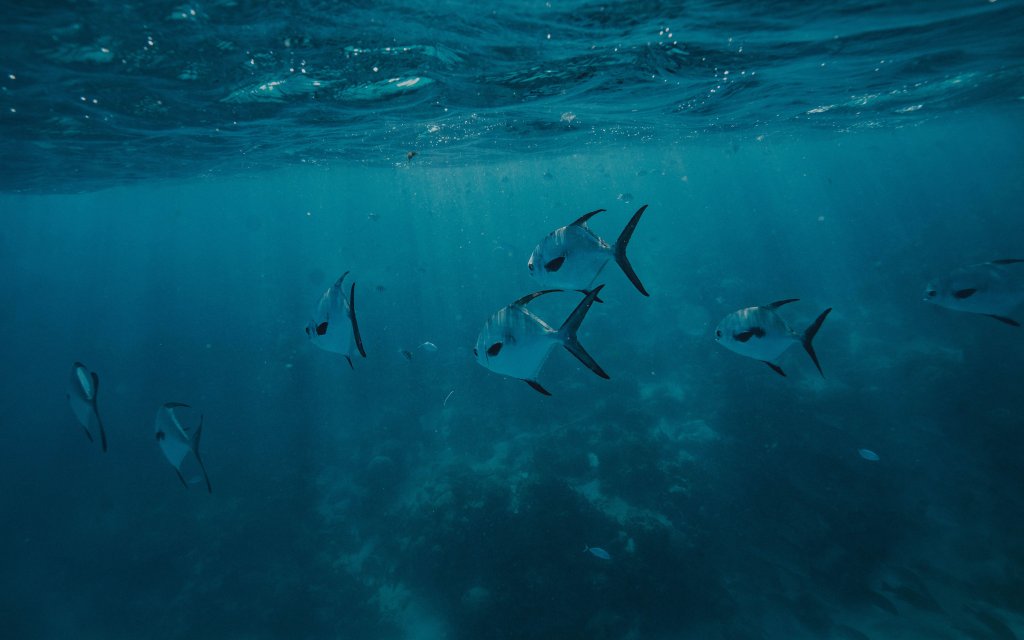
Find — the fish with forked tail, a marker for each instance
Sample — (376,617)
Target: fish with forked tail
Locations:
(761,333)
(515,342)
(334,327)
(573,256)
(992,289)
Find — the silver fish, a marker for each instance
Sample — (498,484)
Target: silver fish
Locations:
(762,334)
(82,392)
(993,289)
(597,552)
(515,342)
(176,442)
(573,256)
(334,327)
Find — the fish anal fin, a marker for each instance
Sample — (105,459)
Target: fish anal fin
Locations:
(1004,319)
(355,324)
(776,368)
(350,365)
(620,250)
(536,387)
(779,303)
(181,477)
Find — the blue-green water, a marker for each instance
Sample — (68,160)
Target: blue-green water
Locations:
(179,252)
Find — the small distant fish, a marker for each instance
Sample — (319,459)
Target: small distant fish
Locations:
(409,156)
(515,342)
(406,353)
(573,256)
(762,334)
(82,392)
(380,288)
(598,552)
(428,346)
(373,216)
(993,289)
(625,197)
(334,327)
(176,442)
(868,455)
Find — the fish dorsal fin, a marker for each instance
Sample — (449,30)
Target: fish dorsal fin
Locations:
(779,303)
(582,220)
(352,316)
(1008,261)
(530,296)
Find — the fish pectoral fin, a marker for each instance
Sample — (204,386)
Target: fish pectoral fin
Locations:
(963,294)
(776,368)
(1007,261)
(752,332)
(554,264)
(536,387)
(1009,321)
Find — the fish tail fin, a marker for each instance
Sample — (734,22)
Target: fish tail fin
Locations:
(808,336)
(199,458)
(355,325)
(96,411)
(620,250)
(567,333)
(585,292)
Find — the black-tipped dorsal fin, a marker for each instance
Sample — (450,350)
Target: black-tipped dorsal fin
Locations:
(620,250)
(352,316)
(809,336)
(582,220)
(779,303)
(776,368)
(1008,261)
(530,296)
(1009,321)
(536,386)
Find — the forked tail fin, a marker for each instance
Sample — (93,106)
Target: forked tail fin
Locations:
(809,336)
(567,333)
(620,250)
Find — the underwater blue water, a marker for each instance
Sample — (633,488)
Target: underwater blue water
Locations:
(182,182)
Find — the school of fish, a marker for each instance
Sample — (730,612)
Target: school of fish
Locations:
(515,342)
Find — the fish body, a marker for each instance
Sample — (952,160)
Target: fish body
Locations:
(176,442)
(868,455)
(334,327)
(597,552)
(516,342)
(573,256)
(761,333)
(994,289)
(83,390)
(429,347)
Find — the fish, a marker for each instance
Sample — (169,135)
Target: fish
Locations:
(994,289)
(598,552)
(762,334)
(428,346)
(82,391)
(573,256)
(868,455)
(334,327)
(405,354)
(515,342)
(176,442)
